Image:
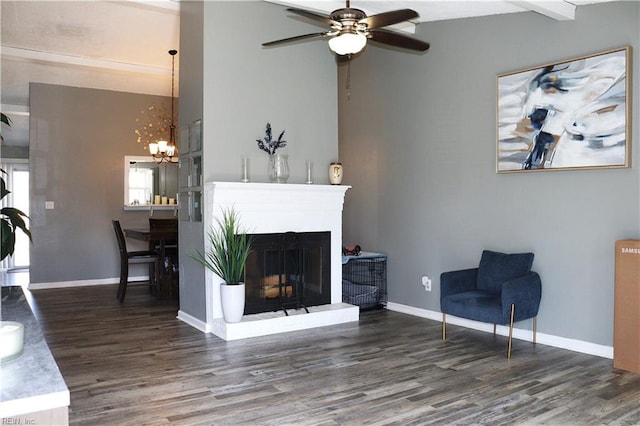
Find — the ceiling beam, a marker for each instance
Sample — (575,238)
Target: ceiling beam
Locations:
(167,5)
(57,58)
(557,9)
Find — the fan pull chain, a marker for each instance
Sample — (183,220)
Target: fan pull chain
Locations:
(349,78)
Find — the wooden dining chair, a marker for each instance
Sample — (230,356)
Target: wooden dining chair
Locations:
(134,257)
(171,224)
(164,228)
(160,225)
(164,240)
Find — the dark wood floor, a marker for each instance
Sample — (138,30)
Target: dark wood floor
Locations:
(136,364)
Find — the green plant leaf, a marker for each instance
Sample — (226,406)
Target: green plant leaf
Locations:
(5,119)
(7,239)
(3,189)
(228,249)
(15,217)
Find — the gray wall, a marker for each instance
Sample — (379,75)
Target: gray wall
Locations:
(244,87)
(418,138)
(78,140)
(191,234)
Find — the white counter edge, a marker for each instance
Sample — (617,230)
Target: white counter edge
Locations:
(32,404)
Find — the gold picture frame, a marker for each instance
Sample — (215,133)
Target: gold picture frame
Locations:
(567,115)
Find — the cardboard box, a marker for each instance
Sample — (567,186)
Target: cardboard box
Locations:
(626,336)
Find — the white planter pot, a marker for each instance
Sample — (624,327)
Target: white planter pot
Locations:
(232,299)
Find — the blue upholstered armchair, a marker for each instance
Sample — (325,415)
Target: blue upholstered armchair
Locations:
(502,290)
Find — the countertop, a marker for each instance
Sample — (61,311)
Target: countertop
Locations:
(31,382)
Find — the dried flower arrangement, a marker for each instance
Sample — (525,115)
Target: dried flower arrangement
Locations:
(268,144)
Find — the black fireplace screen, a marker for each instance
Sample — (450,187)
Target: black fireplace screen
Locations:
(288,270)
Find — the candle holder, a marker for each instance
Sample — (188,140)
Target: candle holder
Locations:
(309,166)
(245,170)
(278,168)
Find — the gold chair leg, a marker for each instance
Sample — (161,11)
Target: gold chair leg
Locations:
(535,327)
(510,331)
(444,326)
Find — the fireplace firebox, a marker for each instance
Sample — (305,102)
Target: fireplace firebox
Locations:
(289,270)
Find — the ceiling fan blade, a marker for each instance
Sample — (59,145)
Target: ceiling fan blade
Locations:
(398,40)
(321,19)
(389,18)
(292,39)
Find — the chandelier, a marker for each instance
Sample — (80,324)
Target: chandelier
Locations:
(165,150)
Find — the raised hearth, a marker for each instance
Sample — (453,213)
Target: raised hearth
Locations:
(266,208)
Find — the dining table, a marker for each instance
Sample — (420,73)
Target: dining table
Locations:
(165,242)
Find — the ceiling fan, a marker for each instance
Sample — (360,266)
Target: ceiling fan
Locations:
(350,29)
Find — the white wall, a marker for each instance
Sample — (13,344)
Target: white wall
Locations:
(246,86)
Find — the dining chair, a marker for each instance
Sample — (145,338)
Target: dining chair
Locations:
(164,240)
(171,224)
(168,246)
(160,225)
(134,257)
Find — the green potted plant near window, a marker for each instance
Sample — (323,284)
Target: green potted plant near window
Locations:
(226,255)
(11,219)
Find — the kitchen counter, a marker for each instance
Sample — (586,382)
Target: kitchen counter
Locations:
(32,390)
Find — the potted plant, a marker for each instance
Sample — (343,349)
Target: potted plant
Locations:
(11,219)
(226,256)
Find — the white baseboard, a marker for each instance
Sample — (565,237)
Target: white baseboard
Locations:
(193,322)
(520,334)
(82,283)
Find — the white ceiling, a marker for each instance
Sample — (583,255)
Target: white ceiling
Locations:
(123,45)
(438,10)
(113,45)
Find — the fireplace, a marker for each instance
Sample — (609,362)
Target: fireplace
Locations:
(288,209)
(289,270)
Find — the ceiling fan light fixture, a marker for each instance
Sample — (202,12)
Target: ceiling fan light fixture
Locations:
(350,28)
(348,43)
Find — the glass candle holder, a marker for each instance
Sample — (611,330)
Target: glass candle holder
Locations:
(278,168)
(245,169)
(309,167)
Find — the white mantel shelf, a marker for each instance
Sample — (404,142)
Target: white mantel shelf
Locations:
(266,208)
(280,187)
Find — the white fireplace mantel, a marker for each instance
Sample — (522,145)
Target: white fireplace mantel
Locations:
(276,208)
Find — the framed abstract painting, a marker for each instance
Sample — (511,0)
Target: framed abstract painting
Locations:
(566,115)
